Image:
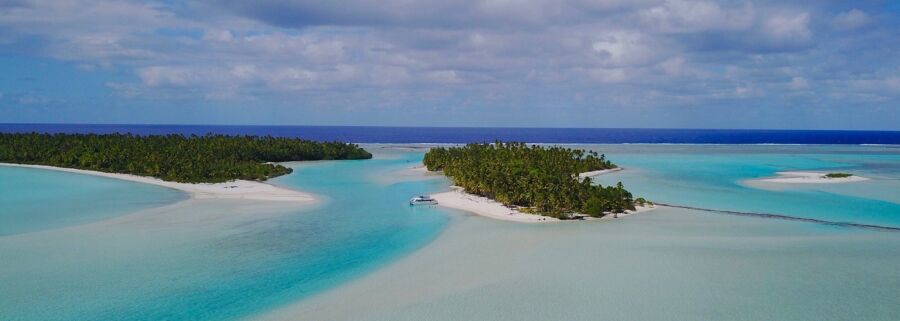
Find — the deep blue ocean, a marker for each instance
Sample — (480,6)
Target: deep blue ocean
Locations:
(367,134)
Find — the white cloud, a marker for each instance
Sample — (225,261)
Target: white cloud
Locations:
(626,49)
(609,76)
(853,19)
(218,35)
(798,83)
(788,27)
(674,66)
(158,76)
(742,91)
(679,16)
(446,77)
(684,50)
(84,30)
(884,86)
(27,98)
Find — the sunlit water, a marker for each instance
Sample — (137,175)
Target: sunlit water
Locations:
(666,264)
(212,260)
(36,199)
(720,177)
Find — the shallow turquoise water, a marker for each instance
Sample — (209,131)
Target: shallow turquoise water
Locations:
(36,199)
(716,177)
(213,260)
(666,264)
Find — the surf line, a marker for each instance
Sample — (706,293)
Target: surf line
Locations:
(790,218)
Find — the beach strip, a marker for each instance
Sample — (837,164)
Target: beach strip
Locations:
(582,176)
(458,199)
(796,177)
(237,189)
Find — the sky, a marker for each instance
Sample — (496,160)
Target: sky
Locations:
(481,63)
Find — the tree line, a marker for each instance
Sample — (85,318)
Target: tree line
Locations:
(541,179)
(188,159)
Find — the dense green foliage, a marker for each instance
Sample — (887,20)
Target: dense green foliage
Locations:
(544,180)
(838,175)
(194,159)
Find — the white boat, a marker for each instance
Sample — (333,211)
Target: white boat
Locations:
(422,200)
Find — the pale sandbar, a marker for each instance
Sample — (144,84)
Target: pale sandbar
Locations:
(581,176)
(237,189)
(810,178)
(458,199)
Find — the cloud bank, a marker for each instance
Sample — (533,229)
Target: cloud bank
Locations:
(446,60)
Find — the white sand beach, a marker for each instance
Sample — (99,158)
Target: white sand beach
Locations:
(810,178)
(237,189)
(459,199)
(637,210)
(581,176)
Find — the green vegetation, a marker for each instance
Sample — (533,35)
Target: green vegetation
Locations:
(640,201)
(188,159)
(838,175)
(543,180)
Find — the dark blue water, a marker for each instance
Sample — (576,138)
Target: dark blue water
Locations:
(364,134)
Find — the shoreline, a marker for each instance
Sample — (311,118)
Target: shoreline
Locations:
(421,169)
(460,200)
(805,177)
(479,205)
(237,189)
(457,198)
(593,174)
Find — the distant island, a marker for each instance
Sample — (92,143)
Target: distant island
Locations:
(176,158)
(540,180)
(838,175)
(798,177)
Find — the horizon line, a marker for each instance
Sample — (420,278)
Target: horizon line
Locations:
(466,127)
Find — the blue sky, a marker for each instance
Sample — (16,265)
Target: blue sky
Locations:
(604,63)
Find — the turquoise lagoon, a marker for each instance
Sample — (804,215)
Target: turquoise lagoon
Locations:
(721,177)
(212,260)
(38,199)
(665,264)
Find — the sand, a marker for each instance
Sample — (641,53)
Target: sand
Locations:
(668,264)
(421,169)
(637,210)
(237,189)
(460,200)
(581,176)
(810,178)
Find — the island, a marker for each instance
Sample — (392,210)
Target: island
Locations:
(529,179)
(799,177)
(174,158)
(838,175)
